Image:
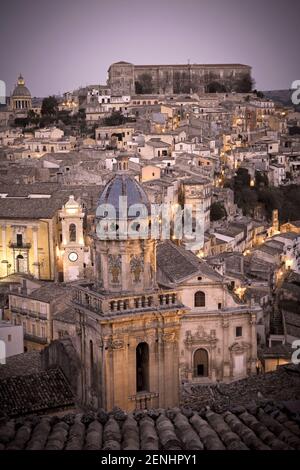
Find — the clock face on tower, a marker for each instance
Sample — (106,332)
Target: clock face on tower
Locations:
(73,256)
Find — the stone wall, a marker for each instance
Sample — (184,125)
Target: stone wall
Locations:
(61,353)
(168,79)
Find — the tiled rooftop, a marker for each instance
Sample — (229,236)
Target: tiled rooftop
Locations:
(240,428)
(43,391)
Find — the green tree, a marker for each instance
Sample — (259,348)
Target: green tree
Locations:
(243,84)
(242,178)
(272,198)
(115,119)
(49,106)
(217,211)
(33,118)
(246,198)
(261,179)
(216,87)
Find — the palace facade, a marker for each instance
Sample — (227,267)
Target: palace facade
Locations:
(125,78)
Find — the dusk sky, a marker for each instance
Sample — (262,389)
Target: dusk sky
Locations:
(59,45)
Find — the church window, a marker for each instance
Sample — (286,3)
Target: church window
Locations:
(200,299)
(19,239)
(72,233)
(142,367)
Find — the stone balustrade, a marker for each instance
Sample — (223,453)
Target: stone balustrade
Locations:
(100,304)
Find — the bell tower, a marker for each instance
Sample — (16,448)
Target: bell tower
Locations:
(72,243)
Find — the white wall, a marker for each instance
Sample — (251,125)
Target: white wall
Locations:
(12,335)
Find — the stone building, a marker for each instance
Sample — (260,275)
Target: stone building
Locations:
(196,191)
(33,306)
(151,315)
(126,78)
(29,236)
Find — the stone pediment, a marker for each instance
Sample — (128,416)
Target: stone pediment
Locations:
(199,279)
(200,336)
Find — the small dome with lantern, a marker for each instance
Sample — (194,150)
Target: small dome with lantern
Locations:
(123,184)
(21,97)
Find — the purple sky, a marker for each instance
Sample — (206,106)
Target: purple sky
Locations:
(59,45)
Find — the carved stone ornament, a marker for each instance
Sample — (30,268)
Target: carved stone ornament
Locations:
(168,337)
(19,229)
(116,343)
(237,348)
(200,336)
(136,267)
(114,264)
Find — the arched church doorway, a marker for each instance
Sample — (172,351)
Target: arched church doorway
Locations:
(21,264)
(142,367)
(201,363)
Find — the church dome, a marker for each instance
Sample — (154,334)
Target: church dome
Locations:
(21,90)
(124,185)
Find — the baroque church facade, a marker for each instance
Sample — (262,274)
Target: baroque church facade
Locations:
(152,317)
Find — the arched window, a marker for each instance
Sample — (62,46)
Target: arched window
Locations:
(201,363)
(199,299)
(72,233)
(142,367)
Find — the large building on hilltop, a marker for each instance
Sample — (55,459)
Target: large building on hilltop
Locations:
(125,78)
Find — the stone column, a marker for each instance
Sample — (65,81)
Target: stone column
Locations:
(119,353)
(160,367)
(213,361)
(104,269)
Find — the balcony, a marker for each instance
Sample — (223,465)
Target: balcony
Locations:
(27,312)
(102,304)
(35,339)
(19,246)
(145,400)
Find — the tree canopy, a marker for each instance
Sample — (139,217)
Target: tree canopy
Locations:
(49,106)
(217,211)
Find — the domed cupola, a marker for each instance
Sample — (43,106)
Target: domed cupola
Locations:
(123,184)
(21,97)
